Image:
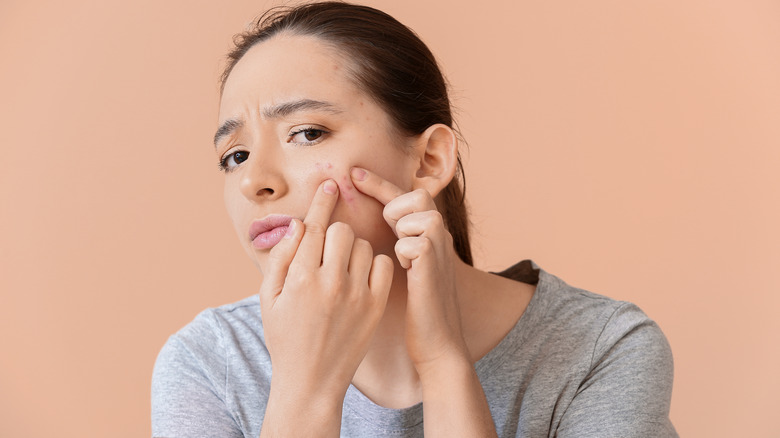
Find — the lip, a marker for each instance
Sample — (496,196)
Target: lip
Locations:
(267,232)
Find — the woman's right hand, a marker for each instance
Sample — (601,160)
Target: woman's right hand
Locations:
(322,297)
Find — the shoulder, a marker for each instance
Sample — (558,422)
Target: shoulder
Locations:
(214,318)
(627,364)
(191,392)
(581,309)
(587,330)
(206,335)
(589,364)
(611,323)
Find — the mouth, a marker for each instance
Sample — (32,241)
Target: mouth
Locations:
(267,232)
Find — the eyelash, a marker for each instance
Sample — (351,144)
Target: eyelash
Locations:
(222,164)
(305,129)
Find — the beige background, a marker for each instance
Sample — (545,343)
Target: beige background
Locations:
(630,147)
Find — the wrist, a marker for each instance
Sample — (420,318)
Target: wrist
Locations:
(317,395)
(446,369)
(297,411)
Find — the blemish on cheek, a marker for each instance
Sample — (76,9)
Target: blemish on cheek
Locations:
(347,189)
(323,166)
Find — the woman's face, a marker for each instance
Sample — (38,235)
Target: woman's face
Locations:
(291,118)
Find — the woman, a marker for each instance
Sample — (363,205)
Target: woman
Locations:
(341,163)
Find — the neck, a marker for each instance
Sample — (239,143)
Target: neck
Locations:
(387,368)
(490,306)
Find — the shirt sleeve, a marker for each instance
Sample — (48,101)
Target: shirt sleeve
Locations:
(188,384)
(628,390)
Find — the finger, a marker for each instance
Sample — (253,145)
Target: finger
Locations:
(425,223)
(408,203)
(375,186)
(381,277)
(316,223)
(360,261)
(279,259)
(339,239)
(411,249)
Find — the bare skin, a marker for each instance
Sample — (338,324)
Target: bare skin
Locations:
(369,278)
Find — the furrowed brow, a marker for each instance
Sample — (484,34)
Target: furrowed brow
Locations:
(287,108)
(226,129)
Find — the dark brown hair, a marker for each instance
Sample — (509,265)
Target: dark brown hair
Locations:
(391,64)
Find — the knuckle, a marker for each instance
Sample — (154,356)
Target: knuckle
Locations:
(340,228)
(421,195)
(363,245)
(315,228)
(424,245)
(387,212)
(384,261)
(434,218)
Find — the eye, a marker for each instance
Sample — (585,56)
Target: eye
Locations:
(229,162)
(307,136)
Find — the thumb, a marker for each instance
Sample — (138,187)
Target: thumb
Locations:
(279,259)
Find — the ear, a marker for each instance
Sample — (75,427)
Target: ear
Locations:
(437,151)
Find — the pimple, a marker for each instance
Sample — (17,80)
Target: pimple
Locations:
(346,182)
(346,188)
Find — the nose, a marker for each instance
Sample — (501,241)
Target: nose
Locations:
(263,179)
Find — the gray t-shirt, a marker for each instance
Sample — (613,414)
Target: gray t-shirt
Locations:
(576,364)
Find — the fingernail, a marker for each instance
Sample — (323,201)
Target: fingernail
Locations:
(358,173)
(291,229)
(330,187)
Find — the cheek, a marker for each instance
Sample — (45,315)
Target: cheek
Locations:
(360,211)
(347,191)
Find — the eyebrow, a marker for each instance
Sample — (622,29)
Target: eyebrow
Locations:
(286,108)
(227,128)
(277,111)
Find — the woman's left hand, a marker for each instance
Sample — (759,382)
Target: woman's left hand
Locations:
(424,248)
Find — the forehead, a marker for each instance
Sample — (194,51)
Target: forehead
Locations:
(288,67)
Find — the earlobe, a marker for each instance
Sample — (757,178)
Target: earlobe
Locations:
(438,155)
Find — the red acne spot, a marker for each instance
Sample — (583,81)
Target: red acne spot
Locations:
(345,186)
(329,166)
